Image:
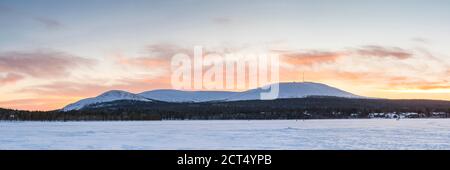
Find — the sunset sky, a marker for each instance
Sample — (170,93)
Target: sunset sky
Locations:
(53,53)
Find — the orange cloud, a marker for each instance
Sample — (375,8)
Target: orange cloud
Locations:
(94,87)
(379,51)
(144,62)
(335,70)
(431,87)
(322,75)
(58,94)
(310,58)
(159,55)
(313,57)
(419,85)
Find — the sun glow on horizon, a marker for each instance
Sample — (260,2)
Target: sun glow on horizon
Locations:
(439,91)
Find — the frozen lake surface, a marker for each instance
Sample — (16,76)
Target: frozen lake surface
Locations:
(229,134)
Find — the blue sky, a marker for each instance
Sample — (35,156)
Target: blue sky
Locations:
(105,31)
(306,23)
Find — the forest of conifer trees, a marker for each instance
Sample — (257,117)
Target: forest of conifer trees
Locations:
(302,108)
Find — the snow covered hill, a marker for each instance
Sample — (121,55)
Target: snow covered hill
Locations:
(296,90)
(286,90)
(109,96)
(187,96)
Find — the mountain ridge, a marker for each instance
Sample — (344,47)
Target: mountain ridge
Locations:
(286,90)
(112,95)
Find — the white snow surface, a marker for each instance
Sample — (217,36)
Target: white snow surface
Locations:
(187,96)
(109,96)
(286,90)
(296,90)
(229,134)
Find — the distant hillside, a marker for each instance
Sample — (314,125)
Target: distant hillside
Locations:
(313,107)
(285,90)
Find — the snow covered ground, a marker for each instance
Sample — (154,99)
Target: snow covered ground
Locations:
(229,134)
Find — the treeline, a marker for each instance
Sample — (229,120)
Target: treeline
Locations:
(86,115)
(303,108)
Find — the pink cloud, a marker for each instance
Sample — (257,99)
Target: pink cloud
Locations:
(10,78)
(311,57)
(94,87)
(55,95)
(41,63)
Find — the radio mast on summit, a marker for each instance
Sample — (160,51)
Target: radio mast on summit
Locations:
(303,77)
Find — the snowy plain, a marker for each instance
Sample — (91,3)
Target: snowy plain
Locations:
(228,134)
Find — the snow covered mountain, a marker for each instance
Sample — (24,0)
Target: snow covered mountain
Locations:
(296,90)
(187,96)
(108,96)
(286,90)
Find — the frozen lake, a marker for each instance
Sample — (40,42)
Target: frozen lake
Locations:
(229,134)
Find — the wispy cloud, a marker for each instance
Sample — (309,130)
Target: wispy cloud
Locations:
(165,50)
(381,66)
(55,95)
(10,78)
(89,88)
(408,83)
(380,51)
(41,63)
(49,23)
(311,57)
(314,57)
(154,56)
